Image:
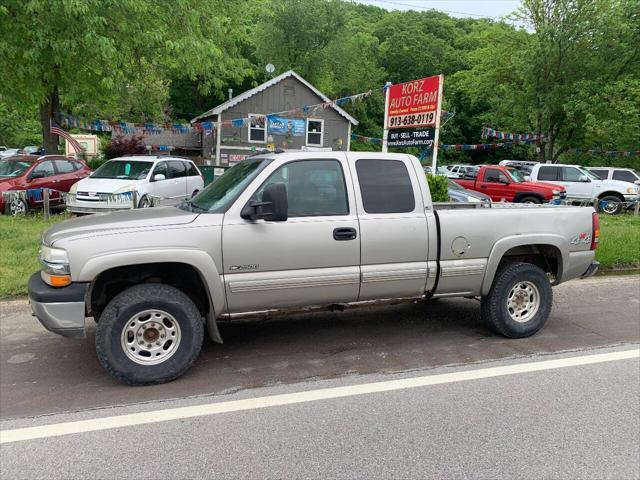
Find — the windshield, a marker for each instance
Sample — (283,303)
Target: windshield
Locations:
(13,168)
(516,175)
(592,176)
(218,196)
(453,185)
(126,170)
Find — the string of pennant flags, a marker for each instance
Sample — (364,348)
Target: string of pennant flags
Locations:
(95,125)
(492,133)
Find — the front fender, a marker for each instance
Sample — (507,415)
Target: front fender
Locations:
(505,244)
(198,259)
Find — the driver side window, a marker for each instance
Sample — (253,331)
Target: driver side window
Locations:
(571,174)
(161,168)
(314,188)
(45,168)
(495,176)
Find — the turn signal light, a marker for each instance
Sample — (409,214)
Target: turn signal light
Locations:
(595,233)
(56,280)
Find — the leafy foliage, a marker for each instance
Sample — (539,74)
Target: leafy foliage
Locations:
(439,187)
(124,145)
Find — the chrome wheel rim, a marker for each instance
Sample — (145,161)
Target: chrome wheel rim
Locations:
(17,207)
(610,207)
(145,203)
(150,337)
(523,301)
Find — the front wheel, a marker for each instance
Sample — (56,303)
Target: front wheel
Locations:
(17,206)
(149,334)
(610,204)
(519,302)
(531,200)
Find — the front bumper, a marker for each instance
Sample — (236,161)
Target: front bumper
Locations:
(593,268)
(59,310)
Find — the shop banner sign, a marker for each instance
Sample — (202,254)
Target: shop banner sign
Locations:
(411,138)
(286,126)
(413,104)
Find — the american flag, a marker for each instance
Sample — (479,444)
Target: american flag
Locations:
(56,130)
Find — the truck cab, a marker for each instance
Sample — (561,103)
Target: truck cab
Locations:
(503,183)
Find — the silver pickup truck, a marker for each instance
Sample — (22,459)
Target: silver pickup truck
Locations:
(297,231)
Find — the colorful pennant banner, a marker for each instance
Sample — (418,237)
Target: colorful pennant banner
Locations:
(492,133)
(607,153)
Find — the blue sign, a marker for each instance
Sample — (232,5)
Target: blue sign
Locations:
(286,126)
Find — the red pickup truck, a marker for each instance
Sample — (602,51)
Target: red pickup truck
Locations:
(508,184)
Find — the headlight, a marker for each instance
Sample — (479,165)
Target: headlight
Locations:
(473,199)
(128,188)
(74,188)
(55,266)
(632,190)
(556,192)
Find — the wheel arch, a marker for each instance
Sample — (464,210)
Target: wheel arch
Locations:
(611,194)
(548,251)
(196,267)
(520,195)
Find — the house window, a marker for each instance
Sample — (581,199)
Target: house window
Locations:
(257,129)
(315,132)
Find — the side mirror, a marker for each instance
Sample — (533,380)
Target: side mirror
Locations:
(584,178)
(35,175)
(274,206)
(637,182)
(504,181)
(158,177)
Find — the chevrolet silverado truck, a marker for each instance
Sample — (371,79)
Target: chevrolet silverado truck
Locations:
(300,231)
(508,184)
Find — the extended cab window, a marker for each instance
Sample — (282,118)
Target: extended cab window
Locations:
(385,186)
(314,187)
(549,174)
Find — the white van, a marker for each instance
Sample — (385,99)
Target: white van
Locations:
(157,180)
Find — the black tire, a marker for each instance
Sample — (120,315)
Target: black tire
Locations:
(123,308)
(24,207)
(530,199)
(144,202)
(494,307)
(610,204)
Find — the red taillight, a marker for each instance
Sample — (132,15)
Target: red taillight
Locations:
(595,231)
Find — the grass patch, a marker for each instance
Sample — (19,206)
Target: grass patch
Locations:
(20,239)
(619,241)
(19,243)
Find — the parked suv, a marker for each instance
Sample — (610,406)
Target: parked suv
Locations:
(584,186)
(621,174)
(156,179)
(31,173)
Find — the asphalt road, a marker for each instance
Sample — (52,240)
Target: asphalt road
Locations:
(549,420)
(42,373)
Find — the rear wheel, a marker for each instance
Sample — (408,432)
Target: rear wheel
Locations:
(610,204)
(149,334)
(519,302)
(530,200)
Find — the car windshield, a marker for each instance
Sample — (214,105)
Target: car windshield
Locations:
(13,168)
(218,196)
(589,174)
(516,175)
(121,169)
(453,185)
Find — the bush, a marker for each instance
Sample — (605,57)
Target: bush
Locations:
(124,145)
(439,187)
(94,163)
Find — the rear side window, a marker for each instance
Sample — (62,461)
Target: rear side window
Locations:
(65,166)
(624,175)
(548,173)
(601,173)
(385,186)
(192,171)
(176,169)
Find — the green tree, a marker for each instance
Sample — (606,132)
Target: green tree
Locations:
(108,55)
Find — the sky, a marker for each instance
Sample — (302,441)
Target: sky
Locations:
(456,8)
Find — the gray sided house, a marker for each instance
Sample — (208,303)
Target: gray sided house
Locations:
(313,129)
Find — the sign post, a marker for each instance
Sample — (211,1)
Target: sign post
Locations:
(436,138)
(385,129)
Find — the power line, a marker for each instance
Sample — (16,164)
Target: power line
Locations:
(419,7)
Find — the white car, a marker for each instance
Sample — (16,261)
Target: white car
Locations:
(584,186)
(157,180)
(614,173)
(9,152)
